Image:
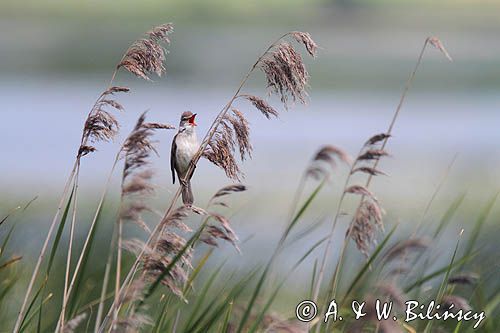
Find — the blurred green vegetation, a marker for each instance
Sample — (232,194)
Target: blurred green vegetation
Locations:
(360,39)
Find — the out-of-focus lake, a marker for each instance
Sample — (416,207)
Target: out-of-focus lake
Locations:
(41,129)
(42,122)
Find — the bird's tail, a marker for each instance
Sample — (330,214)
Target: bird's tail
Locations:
(187,194)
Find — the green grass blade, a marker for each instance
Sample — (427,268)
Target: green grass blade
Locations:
(225,324)
(483,216)
(32,303)
(307,231)
(222,308)
(11,230)
(171,265)
(444,283)
(6,240)
(9,262)
(256,292)
(302,210)
(260,283)
(6,286)
(197,270)
(367,264)
(158,327)
(438,272)
(313,278)
(73,301)
(36,312)
(201,298)
(268,304)
(450,212)
(60,229)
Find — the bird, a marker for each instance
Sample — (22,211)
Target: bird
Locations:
(184,146)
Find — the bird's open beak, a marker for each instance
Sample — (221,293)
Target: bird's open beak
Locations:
(191,120)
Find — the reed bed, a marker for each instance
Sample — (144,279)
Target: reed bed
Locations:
(161,279)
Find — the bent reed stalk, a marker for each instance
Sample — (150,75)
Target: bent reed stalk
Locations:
(436,43)
(292,86)
(144,57)
(72,178)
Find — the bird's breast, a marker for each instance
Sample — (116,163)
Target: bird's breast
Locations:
(187,146)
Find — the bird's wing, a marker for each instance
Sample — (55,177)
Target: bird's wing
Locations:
(173,151)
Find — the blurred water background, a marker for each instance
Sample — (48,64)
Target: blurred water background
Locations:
(57,56)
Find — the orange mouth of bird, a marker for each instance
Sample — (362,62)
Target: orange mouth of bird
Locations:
(191,120)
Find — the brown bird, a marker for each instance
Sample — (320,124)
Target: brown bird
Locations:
(184,147)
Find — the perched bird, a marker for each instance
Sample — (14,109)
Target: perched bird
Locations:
(184,147)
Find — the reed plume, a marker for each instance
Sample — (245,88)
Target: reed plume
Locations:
(72,325)
(463,279)
(233,133)
(368,216)
(324,162)
(146,56)
(449,302)
(101,125)
(374,156)
(286,75)
(402,248)
(136,185)
(137,174)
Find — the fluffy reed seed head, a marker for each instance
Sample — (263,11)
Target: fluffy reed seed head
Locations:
(287,77)
(232,134)
(326,155)
(450,302)
(155,262)
(274,323)
(264,107)
(136,179)
(368,216)
(147,55)
(219,227)
(101,124)
(364,224)
(393,292)
(157,258)
(434,41)
(306,39)
(72,324)
(464,279)
(286,74)
(402,248)
(132,323)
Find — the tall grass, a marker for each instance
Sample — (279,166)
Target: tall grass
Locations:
(167,283)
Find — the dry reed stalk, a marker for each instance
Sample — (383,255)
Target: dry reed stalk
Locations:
(70,245)
(371,155)
(101,125)
(402,269)
(43,250)
(321,166)
(107,272)
(155,260)
(285,75)
(136,182)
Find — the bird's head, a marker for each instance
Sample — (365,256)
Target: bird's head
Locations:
(187,120)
